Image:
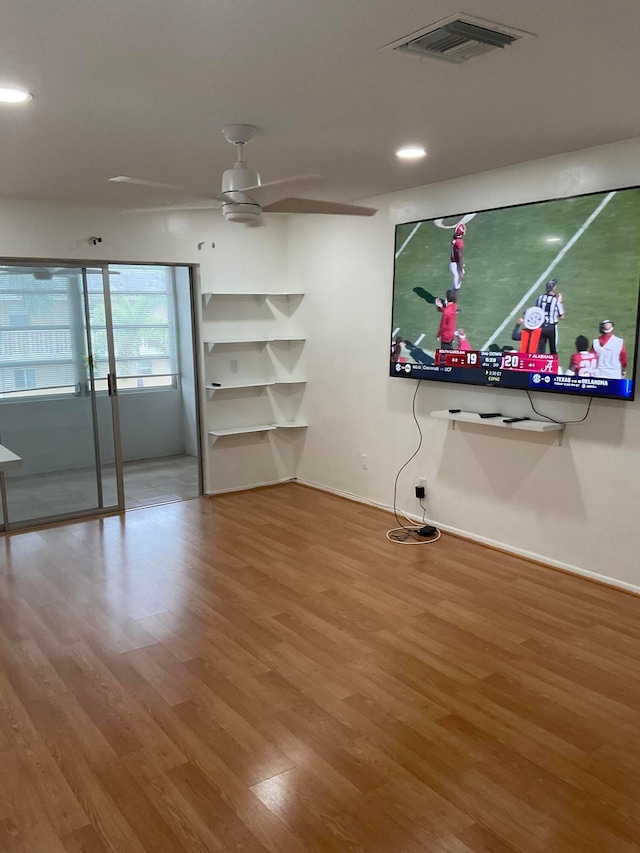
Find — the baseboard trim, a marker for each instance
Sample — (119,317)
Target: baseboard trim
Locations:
(214,492)
(557,565)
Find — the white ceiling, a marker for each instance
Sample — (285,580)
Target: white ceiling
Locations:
(143,88)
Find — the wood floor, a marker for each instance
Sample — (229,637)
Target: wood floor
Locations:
(265,671)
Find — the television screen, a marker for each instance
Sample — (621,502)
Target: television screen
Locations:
(541,296)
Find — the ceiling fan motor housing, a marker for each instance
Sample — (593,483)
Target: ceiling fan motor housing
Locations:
(243,209)
(239,178)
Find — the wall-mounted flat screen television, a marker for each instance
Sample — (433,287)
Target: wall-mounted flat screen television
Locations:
(541,296)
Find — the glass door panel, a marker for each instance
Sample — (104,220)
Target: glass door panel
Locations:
(50,412)
(153,330)
(101,369)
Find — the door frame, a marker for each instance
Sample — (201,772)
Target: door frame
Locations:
(84,265)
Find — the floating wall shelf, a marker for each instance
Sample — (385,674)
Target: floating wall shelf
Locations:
(260,341)
(474,418)
(211,344)
(239,385)
(215,434)
(233,294)
(296,425)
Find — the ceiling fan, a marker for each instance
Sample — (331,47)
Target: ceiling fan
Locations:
(237,182)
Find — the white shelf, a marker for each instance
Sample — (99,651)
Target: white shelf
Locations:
(263,341)
(239,385)
(262,384)
(267,340)
(211,344)
(8,459)
(474,418)
(291,425)
(241,430)
(215,434)
(232,294)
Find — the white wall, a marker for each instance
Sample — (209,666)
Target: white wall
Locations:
(572,505)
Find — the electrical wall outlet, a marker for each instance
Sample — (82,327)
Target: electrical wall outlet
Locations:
(423,482)
(364,461)
(233,365)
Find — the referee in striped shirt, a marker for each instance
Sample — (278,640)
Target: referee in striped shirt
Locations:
(551,303)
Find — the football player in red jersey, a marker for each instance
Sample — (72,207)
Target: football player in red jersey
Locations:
(396,352)
(456,257)
(583,361)
(447,329)
(463,342)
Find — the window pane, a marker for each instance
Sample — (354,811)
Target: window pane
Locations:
(42,328)
(142,306)
(36,349)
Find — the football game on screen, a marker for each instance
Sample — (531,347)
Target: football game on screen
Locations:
(541,296)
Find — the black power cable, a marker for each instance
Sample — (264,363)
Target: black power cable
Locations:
(553,420)
(414,533)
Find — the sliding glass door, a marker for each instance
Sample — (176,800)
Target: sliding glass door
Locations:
(151,316)
(101,368)
(98,389)
(51,414)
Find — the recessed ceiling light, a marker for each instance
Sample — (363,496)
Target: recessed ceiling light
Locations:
(14,96)
(411,152)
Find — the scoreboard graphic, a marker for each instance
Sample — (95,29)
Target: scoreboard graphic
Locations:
(510,369)
(523,361)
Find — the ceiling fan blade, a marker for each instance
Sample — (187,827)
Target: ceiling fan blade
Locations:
(174,208)
(312,176)
(142,182)
(309,205)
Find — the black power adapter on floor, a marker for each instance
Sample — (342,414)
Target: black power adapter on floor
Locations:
(427,530)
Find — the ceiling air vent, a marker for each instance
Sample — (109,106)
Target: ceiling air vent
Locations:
(457,40)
